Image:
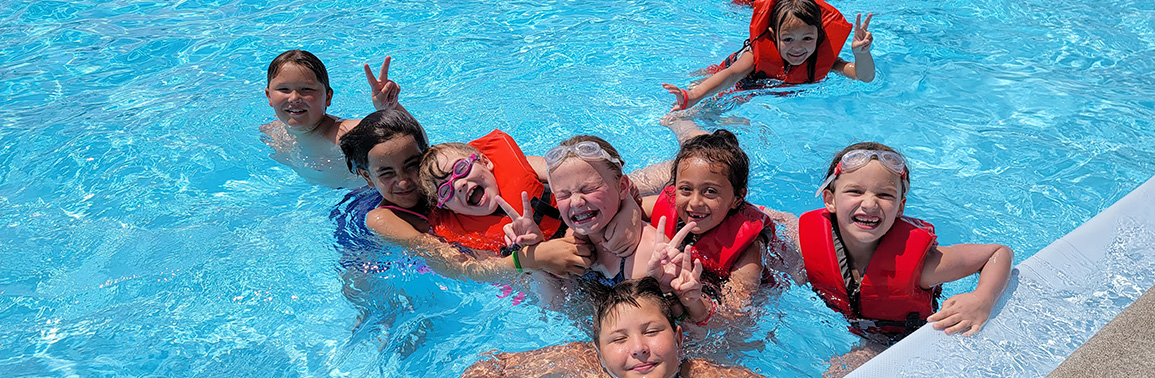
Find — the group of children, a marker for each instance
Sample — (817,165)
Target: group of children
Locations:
(669,246)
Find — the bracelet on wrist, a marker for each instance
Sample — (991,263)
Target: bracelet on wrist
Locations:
(713,308)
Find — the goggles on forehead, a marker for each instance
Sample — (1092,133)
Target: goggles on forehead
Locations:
(855,159)
(587,150)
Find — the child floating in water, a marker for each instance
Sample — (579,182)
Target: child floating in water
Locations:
(881,269)
(305,137)
(635,335)
(795,41)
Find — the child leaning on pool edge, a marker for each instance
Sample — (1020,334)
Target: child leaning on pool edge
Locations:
(883,270)
(796,41)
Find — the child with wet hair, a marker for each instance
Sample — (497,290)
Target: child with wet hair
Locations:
(635,335)
(882,269)
(795,41)
(708,188)
(305,137)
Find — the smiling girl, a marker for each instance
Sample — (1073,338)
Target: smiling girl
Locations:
(795,41)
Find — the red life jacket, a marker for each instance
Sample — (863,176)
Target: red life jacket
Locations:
(768,61)
(721,246)
(890,298)
(514,174)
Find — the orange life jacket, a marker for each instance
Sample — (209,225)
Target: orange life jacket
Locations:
(768,61)
(890,299)
(514,174)
(721,246)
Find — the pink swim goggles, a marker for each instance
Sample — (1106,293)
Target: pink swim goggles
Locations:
(855,159)
(461,168)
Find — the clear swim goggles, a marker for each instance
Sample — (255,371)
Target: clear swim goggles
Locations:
(587,150)
(855,159)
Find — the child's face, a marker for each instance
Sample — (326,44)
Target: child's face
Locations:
(298,98)
(393,170)
(865,201)
(473,194)
(587,194)
(796,40)
(639,342)
(703,194)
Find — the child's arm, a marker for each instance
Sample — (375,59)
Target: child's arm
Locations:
(968,312)
(723,79)
(560,256)
(745,276)
(863,66)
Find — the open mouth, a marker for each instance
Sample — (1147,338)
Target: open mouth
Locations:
(295,111)
(475,196)
(696,217)
(583,217)
(866,221)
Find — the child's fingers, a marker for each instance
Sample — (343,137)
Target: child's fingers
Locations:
(677,240)
(525,207)
(509,210)
(974,329)
(961,326)
(660,236)
(385,69)
(857,23)
(866,23)
(373,83)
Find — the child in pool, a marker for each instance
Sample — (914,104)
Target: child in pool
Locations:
(385,149)
(709,188)
(883,270)
(635,335)
(795,41)
(304,137)
(585,174)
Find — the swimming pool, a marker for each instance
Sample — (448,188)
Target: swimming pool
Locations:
(146,231)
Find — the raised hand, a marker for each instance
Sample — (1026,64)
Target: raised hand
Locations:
(662,265)
(681,95)
(384,91)
(862,37)
(687,285)
(523,230)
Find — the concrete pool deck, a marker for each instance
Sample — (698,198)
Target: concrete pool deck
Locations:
(1055,316)
(1124,347)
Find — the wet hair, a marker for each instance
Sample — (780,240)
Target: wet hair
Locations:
(608,300)
(810,14)
(379,127)
(429,173)
(867,146)
(606,146)
(301,58)
(720,147)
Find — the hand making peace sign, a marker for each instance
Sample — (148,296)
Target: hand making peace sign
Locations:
(384,91)
(523,230)
(862,37)
(665,262)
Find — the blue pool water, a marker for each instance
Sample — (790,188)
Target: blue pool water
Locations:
(147,232)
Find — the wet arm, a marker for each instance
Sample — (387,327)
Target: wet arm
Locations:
(454,261)
(745,276)
(722,80)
